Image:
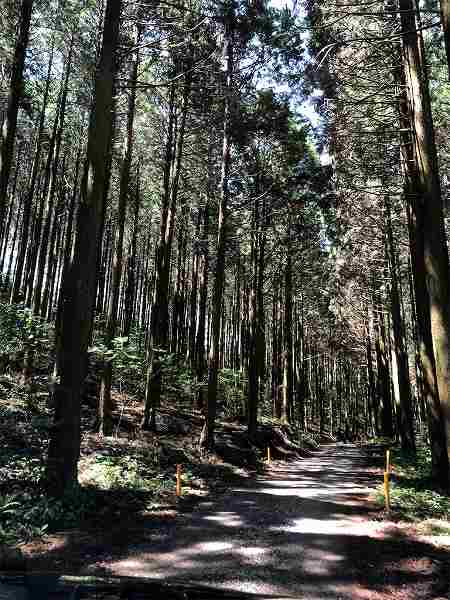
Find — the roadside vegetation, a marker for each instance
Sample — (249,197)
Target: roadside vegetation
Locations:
(414,494)
(130,473)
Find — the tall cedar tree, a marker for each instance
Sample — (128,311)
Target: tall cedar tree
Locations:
(78,295)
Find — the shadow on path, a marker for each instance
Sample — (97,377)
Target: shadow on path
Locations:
(302,529)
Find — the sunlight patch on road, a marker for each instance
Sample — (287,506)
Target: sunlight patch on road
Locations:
(129,564)
(294,483)
(215,546)
(322,564)
(257,586)
(327,527)
(228,519)
(171,563)
(300,492)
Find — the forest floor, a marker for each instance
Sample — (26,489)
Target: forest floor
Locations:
(306,528)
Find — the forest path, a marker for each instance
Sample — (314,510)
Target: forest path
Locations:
(301,529)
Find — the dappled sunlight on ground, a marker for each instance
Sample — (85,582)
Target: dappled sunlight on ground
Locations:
(302,529)
(299,529)
(228,519)
(330,526)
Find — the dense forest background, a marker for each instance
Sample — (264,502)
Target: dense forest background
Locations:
(177,229)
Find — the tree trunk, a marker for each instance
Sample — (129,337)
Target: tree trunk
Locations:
(200,352)
(131,264)
(194,290)
(428,218)
(406,424)
(105,402)
(371,389)
(27,209)
(8,133)
(383,381)
(42,209)
(445,20)
(276,351)
(287,339)
(12,252)
(80,283)
(44,253)
(58,223)
(219,273)
(261,333)
(13,210)
(160,311)
(252,370)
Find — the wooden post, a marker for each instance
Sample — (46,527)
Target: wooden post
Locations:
(387,495)
(178,480)
(268,454)
(387,498)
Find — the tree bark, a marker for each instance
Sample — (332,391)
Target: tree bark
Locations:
(8,133)
(428,220)
(200,352)
(160,311)
(131,264)
(445,20)
(194,290)
(383,380)
(406,424)
(105,401)
(219,272)
(287,339)
(27,209)
(39,223)
(78,298)
(252,369)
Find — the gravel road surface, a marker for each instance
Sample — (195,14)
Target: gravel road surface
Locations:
(300,530)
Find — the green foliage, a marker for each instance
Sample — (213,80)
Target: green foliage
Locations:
(128,363)
(16,521)
(111,484)
(413,467)
(123,472)
(23,515)
(413,495)
(21,331)
(416,504)
(177,376)
(122,355)
(30,515)
(232,392)
(310,439)
(436,528)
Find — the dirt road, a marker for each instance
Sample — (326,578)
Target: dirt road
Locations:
(303,529)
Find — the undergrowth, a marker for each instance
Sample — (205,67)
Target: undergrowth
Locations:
(414,496)
(113,486)
(116,488)
(122,476)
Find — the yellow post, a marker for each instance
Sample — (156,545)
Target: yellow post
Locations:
(268,454)
(387,497)
(387,473)
(178,480)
